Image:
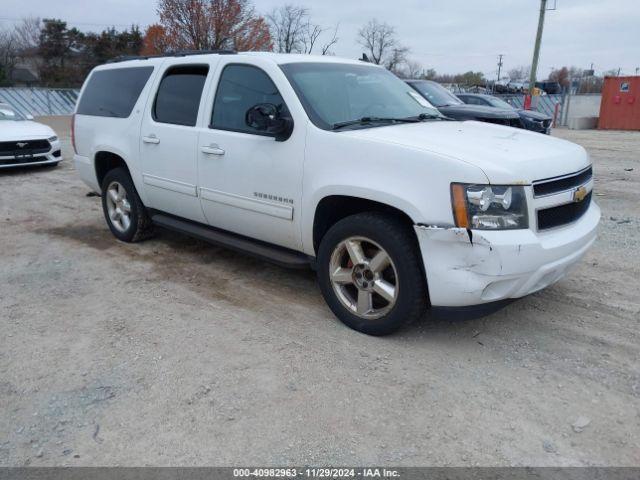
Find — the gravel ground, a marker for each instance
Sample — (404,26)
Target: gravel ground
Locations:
(174,352)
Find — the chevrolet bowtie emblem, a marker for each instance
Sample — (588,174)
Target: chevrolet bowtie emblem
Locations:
(579,194)
(22,144)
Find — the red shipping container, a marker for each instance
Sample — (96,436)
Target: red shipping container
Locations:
(620,105)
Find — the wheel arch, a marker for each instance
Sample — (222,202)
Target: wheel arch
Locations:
(332,208)
(105,160)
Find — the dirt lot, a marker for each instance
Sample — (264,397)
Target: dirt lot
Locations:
(174,352)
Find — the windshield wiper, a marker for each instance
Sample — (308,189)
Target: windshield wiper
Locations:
(366,120)
(432,116)
(429,116)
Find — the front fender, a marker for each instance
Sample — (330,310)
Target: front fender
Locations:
(414,181)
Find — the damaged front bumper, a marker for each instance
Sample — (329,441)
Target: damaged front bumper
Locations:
(479,266)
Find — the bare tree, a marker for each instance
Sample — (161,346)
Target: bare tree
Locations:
(430,74)
(8,53)
(290,28)
(519,73)
(379,40)
(28,32)
(293,31)
(326,48)
(397,59)
(310,37)
(412,69)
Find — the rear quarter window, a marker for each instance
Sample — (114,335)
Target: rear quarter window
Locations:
(114,92)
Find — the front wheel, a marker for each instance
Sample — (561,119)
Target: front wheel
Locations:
(370,275)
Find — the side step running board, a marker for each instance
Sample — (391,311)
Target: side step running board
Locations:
(278,255)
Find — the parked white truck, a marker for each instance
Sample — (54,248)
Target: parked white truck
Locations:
(336,164)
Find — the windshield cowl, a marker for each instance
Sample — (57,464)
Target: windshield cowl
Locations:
(378,121)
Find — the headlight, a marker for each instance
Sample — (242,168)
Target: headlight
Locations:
(53,139)
(489,207)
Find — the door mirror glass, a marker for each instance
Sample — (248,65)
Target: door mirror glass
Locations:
(267,118)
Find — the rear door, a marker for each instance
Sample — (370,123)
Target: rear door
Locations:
(169,138)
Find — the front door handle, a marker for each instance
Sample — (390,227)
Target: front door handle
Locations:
(212,150)
(151,139)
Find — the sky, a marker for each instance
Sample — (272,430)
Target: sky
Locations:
(450,36)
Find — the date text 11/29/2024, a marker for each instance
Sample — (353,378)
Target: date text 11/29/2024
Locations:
(316,472)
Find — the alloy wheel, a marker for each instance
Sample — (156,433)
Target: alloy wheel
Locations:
(118,207)
(364,277)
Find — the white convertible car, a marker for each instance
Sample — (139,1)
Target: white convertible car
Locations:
(25,142)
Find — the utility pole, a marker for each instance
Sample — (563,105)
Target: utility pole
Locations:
(499,65)
(536,49)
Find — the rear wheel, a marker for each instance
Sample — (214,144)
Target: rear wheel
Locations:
(123,210)
(370,275)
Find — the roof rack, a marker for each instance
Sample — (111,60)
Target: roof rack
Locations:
(177,53)
(184,53)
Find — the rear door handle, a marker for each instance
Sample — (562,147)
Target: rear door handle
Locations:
(212,150)
(151,139)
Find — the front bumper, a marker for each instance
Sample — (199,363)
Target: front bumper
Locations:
(537,127)
(484,266)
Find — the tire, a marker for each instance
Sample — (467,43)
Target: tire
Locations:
(120,195)
(352,281)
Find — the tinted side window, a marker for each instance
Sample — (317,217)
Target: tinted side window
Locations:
(113,93)
(179,95)
(472,100)
(240,88)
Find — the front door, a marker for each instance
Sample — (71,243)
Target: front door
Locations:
(250,183)
(169,142)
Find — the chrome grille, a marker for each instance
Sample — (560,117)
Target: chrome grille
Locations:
(563,214)
(24,147)
(551,186)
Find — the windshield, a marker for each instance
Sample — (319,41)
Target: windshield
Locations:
(498,102)
(334,93)
(8,113)
(436,94)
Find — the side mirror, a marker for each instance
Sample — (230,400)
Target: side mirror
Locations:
(266,117)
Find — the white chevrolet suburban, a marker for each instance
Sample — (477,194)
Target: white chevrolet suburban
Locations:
(336,164)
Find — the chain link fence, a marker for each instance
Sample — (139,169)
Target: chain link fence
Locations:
(41,101)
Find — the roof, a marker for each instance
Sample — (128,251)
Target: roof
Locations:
(193,56)
(284,58)
(22,75)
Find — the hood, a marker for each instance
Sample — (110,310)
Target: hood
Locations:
(506,155)
(11,130)
(467,111)
(530,114)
